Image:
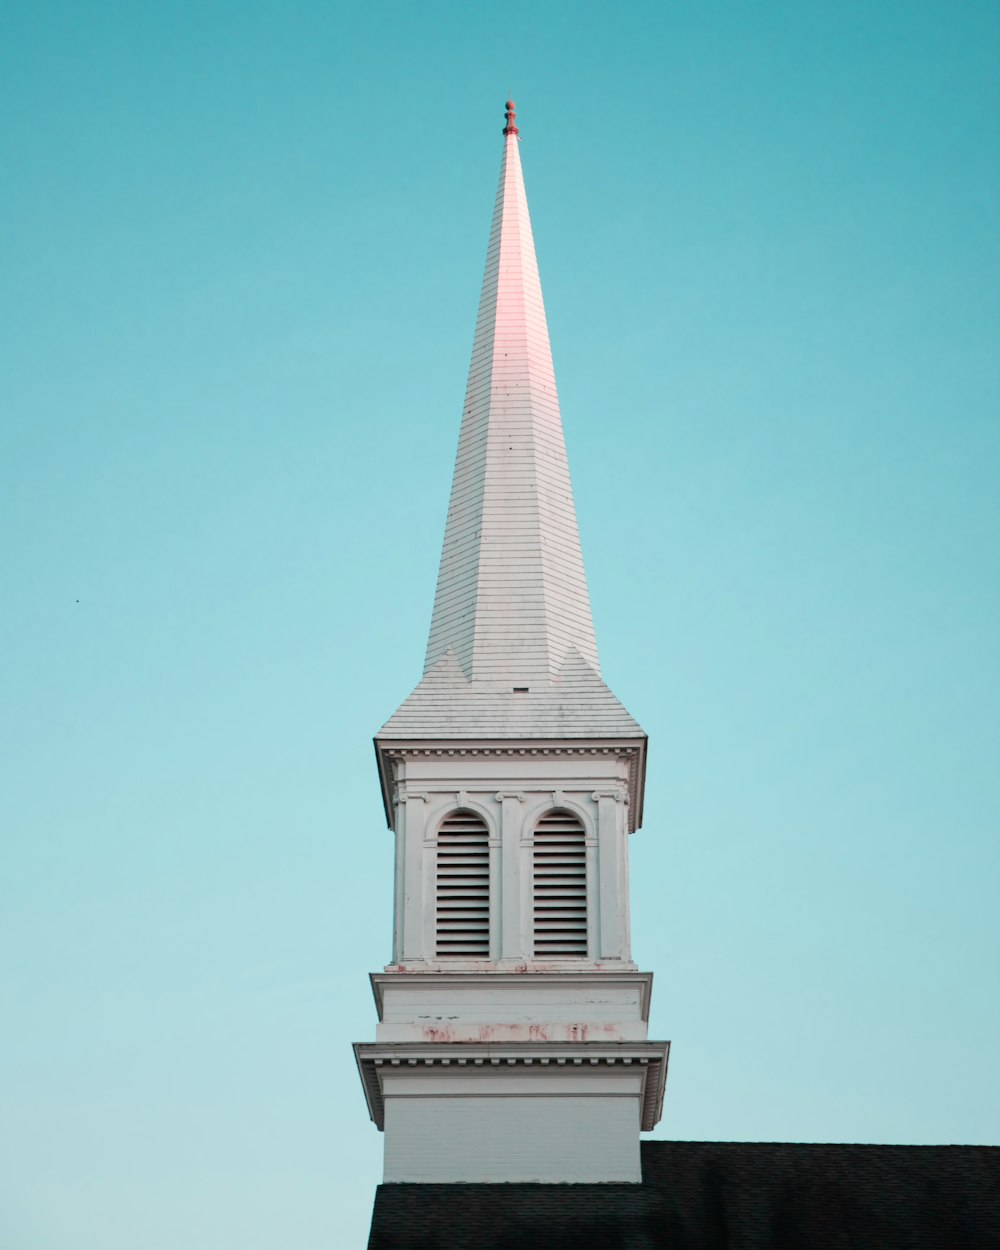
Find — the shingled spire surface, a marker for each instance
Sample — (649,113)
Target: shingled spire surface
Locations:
(511,594)
(511,650)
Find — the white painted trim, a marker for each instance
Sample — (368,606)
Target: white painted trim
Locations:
(374,1058)
(578,979)
(632,750)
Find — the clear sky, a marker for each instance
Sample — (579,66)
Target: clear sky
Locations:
(240,248)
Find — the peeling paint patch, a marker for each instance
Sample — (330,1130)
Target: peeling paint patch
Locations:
(434,1034)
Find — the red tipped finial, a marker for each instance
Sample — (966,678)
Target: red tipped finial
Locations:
(510,128)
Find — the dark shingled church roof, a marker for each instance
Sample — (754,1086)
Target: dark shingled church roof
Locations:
(720,1196)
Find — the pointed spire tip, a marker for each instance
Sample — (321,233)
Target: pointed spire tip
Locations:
(511,116)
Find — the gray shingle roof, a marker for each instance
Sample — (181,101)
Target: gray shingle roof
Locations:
(446,705)
(720,1196)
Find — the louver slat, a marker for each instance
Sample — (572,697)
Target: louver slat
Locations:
(559,871)
(462,919)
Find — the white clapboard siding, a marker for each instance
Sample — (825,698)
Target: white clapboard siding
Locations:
(462,916)
(559,875)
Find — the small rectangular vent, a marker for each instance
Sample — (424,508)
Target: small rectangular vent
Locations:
(559,864)
(463,888)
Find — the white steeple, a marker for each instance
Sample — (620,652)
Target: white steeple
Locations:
(512,1020)
(511,593)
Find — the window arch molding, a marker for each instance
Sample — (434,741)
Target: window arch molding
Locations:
(587,815)
(438,813)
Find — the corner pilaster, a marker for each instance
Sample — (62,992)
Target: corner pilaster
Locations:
(413,811)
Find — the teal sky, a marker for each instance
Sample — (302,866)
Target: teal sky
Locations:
(241,246)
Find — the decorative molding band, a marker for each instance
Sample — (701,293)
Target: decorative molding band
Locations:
(522,976)
(393,752)
(651,1058)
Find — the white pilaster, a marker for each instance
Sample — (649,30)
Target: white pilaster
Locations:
(511,876)
(414,870)
(610,833)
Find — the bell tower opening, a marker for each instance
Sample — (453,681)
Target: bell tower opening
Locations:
(462,894)
(559,887)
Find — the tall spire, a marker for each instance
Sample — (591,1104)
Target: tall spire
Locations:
(511,653)
(511,595)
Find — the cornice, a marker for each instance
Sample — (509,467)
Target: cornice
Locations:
(632,749)
(650,1058)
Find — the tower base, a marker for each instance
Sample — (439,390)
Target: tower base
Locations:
(544,1112)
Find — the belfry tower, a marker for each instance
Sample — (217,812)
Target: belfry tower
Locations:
(511,1043)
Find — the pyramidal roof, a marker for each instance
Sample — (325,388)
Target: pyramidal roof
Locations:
(511,651)
(511,593)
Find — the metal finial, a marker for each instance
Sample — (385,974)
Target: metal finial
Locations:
(510,128)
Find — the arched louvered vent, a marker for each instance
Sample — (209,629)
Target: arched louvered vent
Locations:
(463,888)
(559,864)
